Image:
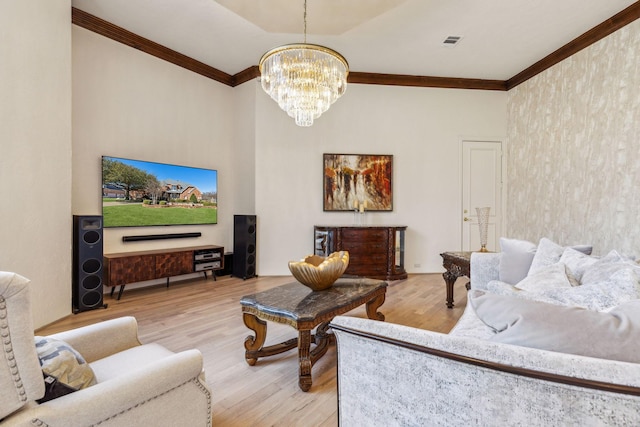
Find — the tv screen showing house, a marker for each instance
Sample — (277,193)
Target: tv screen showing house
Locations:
(137,193)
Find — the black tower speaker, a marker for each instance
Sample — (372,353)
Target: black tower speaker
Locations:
(244,246)
(87,263)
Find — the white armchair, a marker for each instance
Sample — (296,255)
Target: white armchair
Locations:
(136,384)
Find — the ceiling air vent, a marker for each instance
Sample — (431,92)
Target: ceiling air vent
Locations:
(451,41)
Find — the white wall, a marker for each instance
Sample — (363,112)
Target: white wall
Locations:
(420,127)
(574,145)
(35,160)
(243,150)
(129,104)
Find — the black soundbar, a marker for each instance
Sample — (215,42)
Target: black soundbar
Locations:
(159,236)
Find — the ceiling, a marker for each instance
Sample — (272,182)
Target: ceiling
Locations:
(500,38)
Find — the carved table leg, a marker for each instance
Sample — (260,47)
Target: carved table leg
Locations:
(304,358)
(322,339)
(456,264)
(373,306)
(449,278)
(254,345)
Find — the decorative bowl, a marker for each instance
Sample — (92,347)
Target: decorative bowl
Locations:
(319,273)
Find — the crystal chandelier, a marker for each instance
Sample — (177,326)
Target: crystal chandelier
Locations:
(304,79)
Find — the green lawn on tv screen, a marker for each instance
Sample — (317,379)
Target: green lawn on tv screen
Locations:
(137,215)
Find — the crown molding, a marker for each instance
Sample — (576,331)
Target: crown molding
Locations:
(595,34)
(245,75)
(394,80)
(424,81)
(119,34)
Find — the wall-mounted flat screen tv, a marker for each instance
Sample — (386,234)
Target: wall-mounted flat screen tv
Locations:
(138,193)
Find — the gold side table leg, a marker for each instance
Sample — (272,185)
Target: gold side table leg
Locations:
(253,345)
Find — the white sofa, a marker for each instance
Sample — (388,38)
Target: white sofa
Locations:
(137,384)
(395,375)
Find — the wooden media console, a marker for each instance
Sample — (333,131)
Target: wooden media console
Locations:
(122,269)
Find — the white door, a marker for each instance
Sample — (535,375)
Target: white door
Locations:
(481,187)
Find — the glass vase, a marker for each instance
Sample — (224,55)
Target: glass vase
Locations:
(483,225)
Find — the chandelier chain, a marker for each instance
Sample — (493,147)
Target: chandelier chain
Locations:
(305,21)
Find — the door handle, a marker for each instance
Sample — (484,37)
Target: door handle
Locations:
(467,219)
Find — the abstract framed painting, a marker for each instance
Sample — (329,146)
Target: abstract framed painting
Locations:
(357,182)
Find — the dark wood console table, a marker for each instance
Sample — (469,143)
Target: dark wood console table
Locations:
(129,267)
(457,264)
(376,252)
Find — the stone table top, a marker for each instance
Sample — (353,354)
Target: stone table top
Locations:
(295,303)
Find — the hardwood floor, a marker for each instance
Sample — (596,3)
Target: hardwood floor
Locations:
(206,315)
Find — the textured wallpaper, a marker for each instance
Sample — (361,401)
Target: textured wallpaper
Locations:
(573,149)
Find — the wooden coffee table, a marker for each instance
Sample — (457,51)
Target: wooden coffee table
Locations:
(303,309)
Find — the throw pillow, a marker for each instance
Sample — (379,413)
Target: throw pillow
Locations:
(549,252)
(54,389)
(58,359)
(577,262)
(562,329)
(500,288)
(551,277)
(515,259)
(605,267)
(621,287)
